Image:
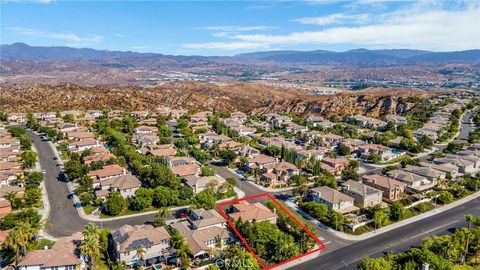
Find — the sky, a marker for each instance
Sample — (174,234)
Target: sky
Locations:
(232,27)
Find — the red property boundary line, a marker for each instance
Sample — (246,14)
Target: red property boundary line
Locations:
(220,210)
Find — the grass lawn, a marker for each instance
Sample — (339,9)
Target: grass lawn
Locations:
(88,209)
(129,212)
(40,244)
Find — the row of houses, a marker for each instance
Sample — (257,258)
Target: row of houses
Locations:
(203,230)
(374,189)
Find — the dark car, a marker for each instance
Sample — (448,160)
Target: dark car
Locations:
(70,196)
(55,158)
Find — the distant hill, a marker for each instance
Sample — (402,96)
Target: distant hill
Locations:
(354,58)
(367,58)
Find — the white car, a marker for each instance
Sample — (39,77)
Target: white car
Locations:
(44,172)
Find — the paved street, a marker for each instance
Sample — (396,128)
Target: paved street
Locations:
(64,219)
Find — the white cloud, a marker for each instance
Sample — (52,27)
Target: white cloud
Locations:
(72,39)
(336,18)
(419,27)
(236,28)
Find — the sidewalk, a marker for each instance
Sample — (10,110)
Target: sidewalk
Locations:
(388,228)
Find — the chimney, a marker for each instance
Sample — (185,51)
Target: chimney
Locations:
(347,187)
(425,266)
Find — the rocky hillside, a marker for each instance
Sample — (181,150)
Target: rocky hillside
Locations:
(242,97)
(373,102)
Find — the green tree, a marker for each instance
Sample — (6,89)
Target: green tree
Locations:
(445,197)
(344,150)
(18,239)
(228,156)
(159,219)
(143,199)
(114,204)
(235,253)
(374,158)
(207,171)
(29,158)
(90,248)
(397,211)
(326,179)
(380,219)
(32,197)
(164,196)
(376,264)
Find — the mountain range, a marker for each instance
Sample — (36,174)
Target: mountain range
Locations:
(353,58)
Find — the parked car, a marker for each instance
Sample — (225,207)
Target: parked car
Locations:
(70,196)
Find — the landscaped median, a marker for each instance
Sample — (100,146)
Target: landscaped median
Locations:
(386,228)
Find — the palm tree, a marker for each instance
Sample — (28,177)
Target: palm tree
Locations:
(90,229)
(118,265)
(90,248)
(11,195)
(140,253)
(159,219)
(18,239)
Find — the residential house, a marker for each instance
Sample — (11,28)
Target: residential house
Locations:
(429,172)
(334,165)
(64,255)
(108,171)
(365,196)
(331,140)
(156,242)
(68,127)
(353,144)
(17,117)
(365,121)
(126,185)
(210,139)
(203,231)
(145,139)
(146,130)
(475,158)
(252,212)
(334,199)
(199,184)
(176,161)
(80,135)
(464,166)
(186,169)
(318,121)
(415,182)
(163,150)
(82,145)
(98,154)
(259,161)
(247,151)
(448,168)
(396,119)
(392,189)
(384,152)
